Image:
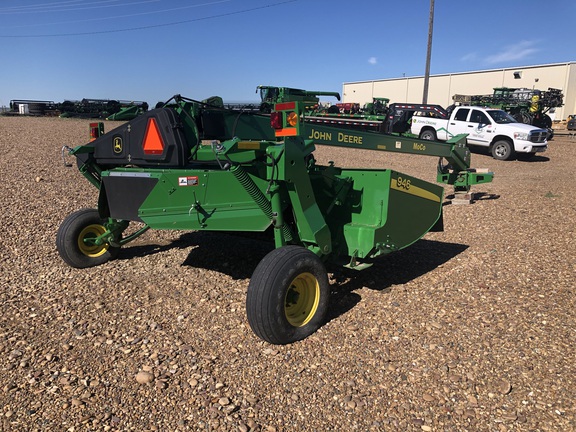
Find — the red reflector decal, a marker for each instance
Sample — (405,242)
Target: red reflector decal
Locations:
(285,106)
(287,132)
(153,143)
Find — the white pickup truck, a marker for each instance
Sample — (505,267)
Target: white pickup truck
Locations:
(486,127)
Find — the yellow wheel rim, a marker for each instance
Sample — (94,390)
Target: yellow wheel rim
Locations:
(302,298)
(88,248)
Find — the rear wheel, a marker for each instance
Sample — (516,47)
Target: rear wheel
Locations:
(75,240)
(288,295)
(428,135)
(502,150)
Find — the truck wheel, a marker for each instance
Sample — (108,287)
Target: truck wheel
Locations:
(288,295)
(428,135)
(502,150)
(73,240)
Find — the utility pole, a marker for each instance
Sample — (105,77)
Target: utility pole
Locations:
(429,53)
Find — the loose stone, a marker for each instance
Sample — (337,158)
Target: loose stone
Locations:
(144,377)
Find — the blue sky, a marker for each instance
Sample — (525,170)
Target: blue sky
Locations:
(152,49)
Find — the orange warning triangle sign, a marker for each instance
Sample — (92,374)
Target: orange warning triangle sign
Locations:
(153,143)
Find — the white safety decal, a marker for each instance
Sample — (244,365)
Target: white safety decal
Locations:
(188,181)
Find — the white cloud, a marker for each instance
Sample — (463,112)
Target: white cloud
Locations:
(469,57)
(515,52)
(373,60)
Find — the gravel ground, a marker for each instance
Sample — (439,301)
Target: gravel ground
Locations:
(469,329)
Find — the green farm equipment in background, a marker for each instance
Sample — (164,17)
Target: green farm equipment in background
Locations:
(571,125)
(102,109)
(529,106)
(195,165)
(129,112)
(372,116)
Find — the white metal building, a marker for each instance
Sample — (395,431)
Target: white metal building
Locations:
(442,87)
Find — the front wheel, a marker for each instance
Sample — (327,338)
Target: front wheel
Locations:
(428,135)
(75,240)
(502,150)
(288,295)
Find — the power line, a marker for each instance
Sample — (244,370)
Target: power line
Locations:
(59,6)
(149,26)
(120,16)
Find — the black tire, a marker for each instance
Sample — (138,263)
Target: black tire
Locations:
(428,135)
(79,226)
(502,150)
(288,295)
(526,118)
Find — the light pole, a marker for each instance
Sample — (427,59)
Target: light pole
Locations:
(429,53)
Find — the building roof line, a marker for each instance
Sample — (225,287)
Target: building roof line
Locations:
(515,68)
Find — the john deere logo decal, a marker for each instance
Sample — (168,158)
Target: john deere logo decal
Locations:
(117,145)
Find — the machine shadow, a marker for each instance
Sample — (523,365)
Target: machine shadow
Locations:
(135,250)
(476,196)
(238,255)
(396,269)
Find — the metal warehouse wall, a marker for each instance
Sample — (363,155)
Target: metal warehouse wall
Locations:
(443,87)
